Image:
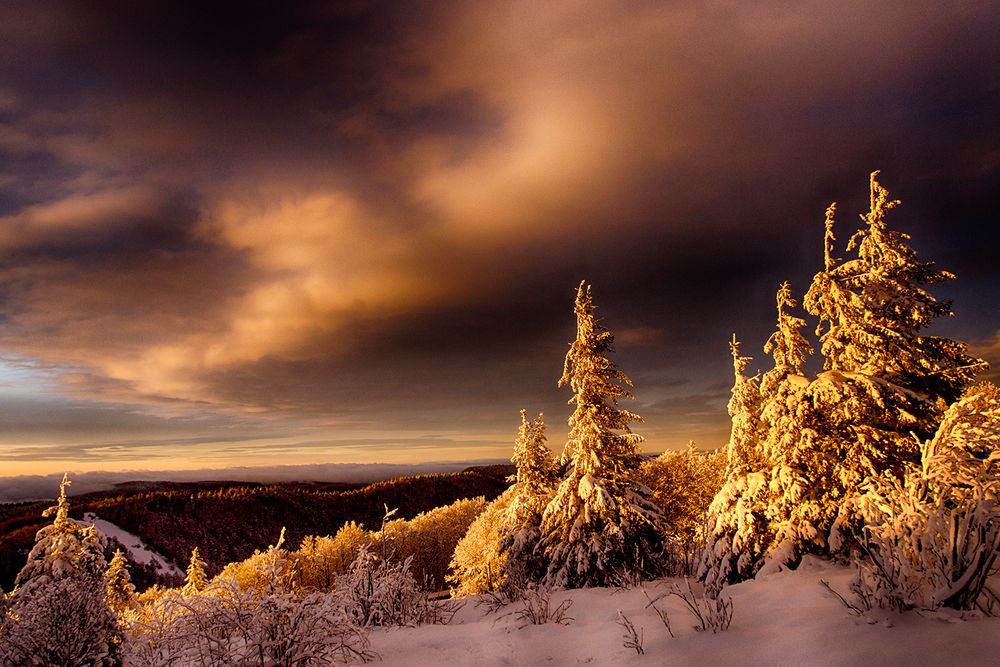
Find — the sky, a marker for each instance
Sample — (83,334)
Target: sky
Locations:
(260,234)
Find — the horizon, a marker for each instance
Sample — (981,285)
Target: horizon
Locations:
(316,235)
(30,488)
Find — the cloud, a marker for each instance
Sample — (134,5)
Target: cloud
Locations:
(356,218)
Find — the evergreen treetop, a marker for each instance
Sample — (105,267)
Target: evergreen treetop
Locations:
(536,470)
(873,307)
(600,438)
(195,580)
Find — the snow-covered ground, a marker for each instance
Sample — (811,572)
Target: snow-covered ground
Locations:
(787,618)
(137,549)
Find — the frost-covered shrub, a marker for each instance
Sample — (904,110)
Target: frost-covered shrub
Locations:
(320,560)
(683,485)
(377,592)
(62,621)
(931,540)
(226,625)
(478,562)
(264,624)
(428,540)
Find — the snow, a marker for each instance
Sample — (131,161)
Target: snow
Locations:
(786,618)
(137,549)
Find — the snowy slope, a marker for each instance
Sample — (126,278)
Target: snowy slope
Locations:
(786,618)
(137,549)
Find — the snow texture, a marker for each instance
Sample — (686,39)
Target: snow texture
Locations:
(787,618)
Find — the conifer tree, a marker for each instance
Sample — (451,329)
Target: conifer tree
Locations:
(600,519)
(536,471)
(195,580)
(58,614)
(884,389)
(760,507)
(886,385)
(498,550)
(121,592)
(873,308)
(534,486)
(743,453)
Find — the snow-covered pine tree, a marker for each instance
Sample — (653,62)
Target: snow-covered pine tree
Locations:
(195,579)
(498,549)
(883,391)
(744,450)
(872,310)
(533,489)
(120,591)
(765,504)
(886,386)
(537,472)
(797,507)
(57,613)
(601,520)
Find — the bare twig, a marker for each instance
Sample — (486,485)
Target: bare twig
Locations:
(659,612)
(632,639)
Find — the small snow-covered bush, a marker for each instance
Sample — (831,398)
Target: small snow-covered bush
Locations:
(377,592)
(477,562)
(931,540)
(63,621)
(227,623)
(537,608)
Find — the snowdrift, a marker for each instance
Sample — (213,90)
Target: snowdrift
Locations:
(785,618)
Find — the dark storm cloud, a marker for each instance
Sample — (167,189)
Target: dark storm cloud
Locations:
(372,216)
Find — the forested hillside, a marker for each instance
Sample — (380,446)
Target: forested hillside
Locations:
(228,521)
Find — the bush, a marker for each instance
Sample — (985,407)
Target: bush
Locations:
(931,540)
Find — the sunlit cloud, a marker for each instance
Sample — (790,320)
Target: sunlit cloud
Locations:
(379,228)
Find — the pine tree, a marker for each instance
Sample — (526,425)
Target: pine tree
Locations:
(600,520)
(120,591)
(498,550)
(884,389)
(873,308)
(763,509)
(64,547)
(195,580)
(744,453)
(796,508)
(536,470)
(886,386)
(534,486)
(57,613)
